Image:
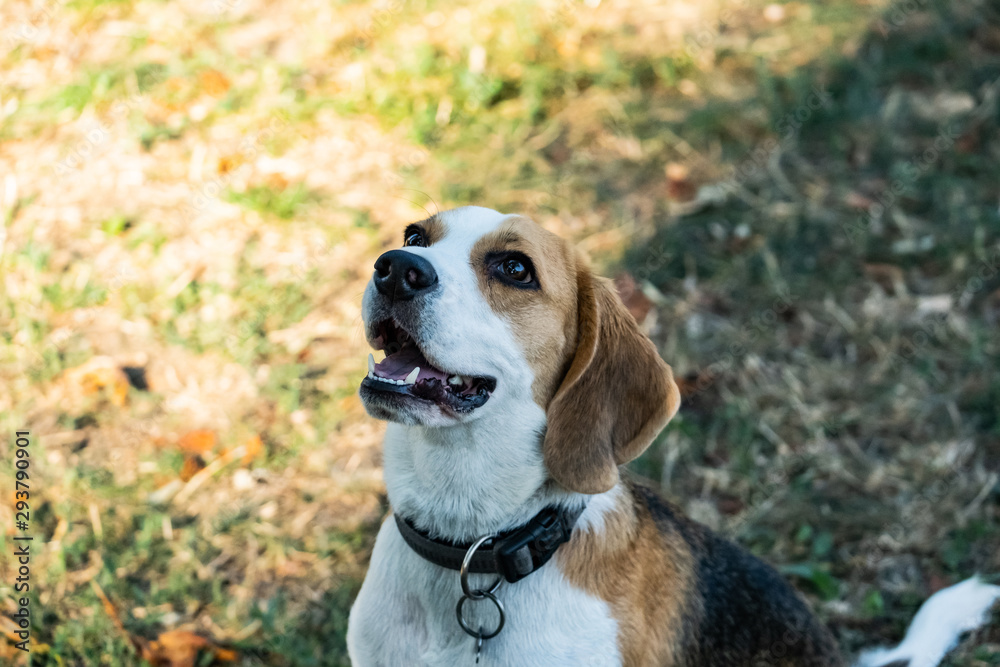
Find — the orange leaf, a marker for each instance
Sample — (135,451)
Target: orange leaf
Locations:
(680,187)
(255,448)
(197,442)
(228,163)
(192,464)
(214,82)
(176,648)
(100,373)
(633,297)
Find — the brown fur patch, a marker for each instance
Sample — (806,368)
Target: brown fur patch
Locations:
(604,386)
(543,321)
(433,228)
(646,576)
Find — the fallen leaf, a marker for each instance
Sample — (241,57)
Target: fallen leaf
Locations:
(888,276)
(680,187)
(197,442)
(175,648)
(970,142)
(179,648)
(255,448)
(98,374)
(858,201)
(936,582)
(694,383)
(277,182)
(214,82)
(228,163)
(729,505)
(192,465)
(637,303)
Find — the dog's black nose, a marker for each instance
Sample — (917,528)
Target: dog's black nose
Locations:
(400,275)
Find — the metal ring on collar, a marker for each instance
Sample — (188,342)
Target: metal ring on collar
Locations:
(479,634)
(477,593)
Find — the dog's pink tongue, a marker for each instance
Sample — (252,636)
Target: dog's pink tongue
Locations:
(397,366)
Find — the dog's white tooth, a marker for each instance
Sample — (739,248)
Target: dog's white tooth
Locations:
(456,380)
(412,377)
(371,362)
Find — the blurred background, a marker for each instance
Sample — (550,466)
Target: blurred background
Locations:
(800,202)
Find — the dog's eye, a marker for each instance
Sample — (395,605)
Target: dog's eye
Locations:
(515,270)
(415,238)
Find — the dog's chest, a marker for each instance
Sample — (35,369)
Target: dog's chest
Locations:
(405,615)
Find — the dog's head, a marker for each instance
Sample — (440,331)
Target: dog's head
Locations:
(483,312)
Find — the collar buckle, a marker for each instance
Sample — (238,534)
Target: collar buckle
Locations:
(529,548)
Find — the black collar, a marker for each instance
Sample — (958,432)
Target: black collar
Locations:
(513,554)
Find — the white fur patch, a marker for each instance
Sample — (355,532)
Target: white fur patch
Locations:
(598,506)
(939,624)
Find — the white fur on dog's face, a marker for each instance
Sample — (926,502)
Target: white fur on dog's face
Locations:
(511,323)
(453,325)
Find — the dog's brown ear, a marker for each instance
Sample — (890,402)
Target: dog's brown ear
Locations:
(615,398)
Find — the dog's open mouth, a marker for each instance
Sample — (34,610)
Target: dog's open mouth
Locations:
(405,370)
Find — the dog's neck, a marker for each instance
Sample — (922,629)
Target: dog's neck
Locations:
(465,481)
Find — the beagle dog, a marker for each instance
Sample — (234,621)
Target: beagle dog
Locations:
(516,384)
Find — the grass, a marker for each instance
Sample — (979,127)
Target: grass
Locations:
(805,193)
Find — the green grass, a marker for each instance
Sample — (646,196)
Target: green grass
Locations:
(283,203)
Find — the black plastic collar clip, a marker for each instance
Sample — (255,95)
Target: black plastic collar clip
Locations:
(529,548)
